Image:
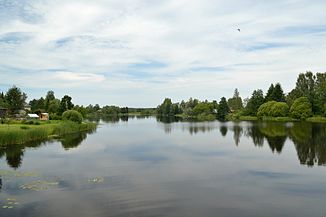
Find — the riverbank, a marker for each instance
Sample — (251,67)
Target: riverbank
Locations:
(20,133)
(276,119)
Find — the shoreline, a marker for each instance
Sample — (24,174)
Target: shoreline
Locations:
(18,133)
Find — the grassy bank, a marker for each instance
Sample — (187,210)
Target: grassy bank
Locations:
(317,119)
(21,133)
(277,119)
(201,117)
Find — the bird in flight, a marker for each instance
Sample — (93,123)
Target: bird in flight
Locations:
(239,30)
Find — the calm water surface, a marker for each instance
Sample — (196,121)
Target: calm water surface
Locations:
(146,167)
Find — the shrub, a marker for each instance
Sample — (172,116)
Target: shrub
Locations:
(301,108)
(55,117)
(280,109)
(72,115)
(265,109)
(273,109)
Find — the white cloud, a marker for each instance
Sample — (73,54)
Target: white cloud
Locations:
(73,45)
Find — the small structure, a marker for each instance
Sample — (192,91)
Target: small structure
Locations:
(32,117)
(44,116)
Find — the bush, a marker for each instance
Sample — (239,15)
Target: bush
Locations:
(273,109)
(301,108)
(55,117)
(265,109)
(72,115)
(280,109)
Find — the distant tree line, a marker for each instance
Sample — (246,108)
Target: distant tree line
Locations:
(14,101)
(307,99)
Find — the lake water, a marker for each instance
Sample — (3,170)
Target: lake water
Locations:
(148,167)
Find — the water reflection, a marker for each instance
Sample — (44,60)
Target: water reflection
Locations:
(309,139)
(14,153)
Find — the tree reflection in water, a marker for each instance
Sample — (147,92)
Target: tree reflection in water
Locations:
(309,139)
(14,153)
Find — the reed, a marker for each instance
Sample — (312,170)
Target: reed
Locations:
(20,133)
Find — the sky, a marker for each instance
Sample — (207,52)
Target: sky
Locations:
(137,52)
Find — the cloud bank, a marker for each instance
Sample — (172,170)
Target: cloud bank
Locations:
(136,52)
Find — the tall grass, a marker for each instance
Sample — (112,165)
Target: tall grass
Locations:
(69,127)
(20,134)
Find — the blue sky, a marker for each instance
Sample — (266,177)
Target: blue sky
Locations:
(137,52)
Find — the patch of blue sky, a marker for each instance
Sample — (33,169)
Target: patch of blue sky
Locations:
(208,69)
(21,10)
(151,64)
(90,40)
(15,37)
(301,30)
(265,46)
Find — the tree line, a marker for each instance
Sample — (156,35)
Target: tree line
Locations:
(14,102)
(306,99)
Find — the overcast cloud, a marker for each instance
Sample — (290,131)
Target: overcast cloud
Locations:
(136,52)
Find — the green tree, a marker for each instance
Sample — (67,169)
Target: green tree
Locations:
(53,106)
(166,108)
(275,93)
(2,101)
(37,104)
(278,94)
(270,93)
(256,100)
(15,99)
(71,115)
(203,108)
(320,93)
(301,108)
(223,109)
(235,103)
(65,104)
(49,97)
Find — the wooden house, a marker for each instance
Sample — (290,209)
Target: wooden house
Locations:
(44,116)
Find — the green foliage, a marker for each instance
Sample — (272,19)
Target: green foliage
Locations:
(167,108)
(256,100)
(55,116)
(65,104)
(37,104)
(20,134)
(15,99)
(275,93)
(223,109)
(280,109)
(73,116)
(317,119)
(235,103)
(273,109)
(202,109)
(313,87)
(110,111)
(265,109)
(301,108)
(49,97)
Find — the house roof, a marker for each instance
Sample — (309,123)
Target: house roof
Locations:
(32,116)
